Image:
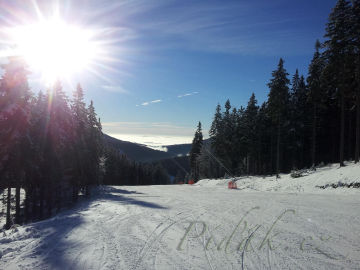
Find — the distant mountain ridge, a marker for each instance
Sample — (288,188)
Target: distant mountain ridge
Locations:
(142,153)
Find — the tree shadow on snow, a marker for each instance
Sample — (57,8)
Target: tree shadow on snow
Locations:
(121,191)
(133,201)
(59,235)
(115,194)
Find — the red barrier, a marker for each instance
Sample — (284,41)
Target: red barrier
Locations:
(191,182)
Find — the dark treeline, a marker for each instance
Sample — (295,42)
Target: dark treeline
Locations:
(178,167)
(50,146)
(304,121)
(120,170)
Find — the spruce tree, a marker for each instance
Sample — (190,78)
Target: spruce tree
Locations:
(315,96)
(228,138)
(337,53)
(251,139)
(94,146)
(14,128)
(217,136)
(35,177)
(80,146)
(264,133)
(57,148)
(298,120)
(355,35)
(278,105)
(195,152)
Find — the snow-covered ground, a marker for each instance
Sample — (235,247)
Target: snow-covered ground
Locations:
(309,183)
(265,224)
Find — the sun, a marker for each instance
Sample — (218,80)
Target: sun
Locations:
(55,49)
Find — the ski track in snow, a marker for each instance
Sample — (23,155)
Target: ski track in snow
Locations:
(142,228)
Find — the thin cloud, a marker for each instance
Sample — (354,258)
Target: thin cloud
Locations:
(147,103)
(150,102)
(156,101)
(188,94)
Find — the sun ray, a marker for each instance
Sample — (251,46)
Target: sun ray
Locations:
(37,10)
(57,47)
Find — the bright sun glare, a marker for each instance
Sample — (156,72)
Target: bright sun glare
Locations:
(54,49)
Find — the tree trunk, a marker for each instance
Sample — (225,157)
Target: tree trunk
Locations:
(259,167)
(27,204)
(278,150)
(246,165)
(34,201)
(41,207)
(301,163)
(87,190)
(357,137)
(8,209)
(313,147)
(75,194)
(49,202)
(342,128)
(349,137)
(4,201)
(17,202)
(272,151)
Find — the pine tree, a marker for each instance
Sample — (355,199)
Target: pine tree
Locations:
(229,138)
(159,175)
(94,146)
(315,95)
(80,146)
(195,152)
(355,35)
(278,104)
(293,115)
(40,147)
(299,119)
(57,148)
(337,53)
(264,133)
(251,133)
(217,136)
(14,128)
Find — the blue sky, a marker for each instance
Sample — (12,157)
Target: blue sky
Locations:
(170,62)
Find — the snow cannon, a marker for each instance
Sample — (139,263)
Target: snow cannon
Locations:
(232,185)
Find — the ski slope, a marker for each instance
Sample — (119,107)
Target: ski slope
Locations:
(264,224)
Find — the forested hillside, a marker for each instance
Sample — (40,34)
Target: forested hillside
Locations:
(306,120)
(134,151)
(50,146)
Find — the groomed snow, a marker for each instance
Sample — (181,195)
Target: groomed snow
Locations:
(265,224)
(308,183)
